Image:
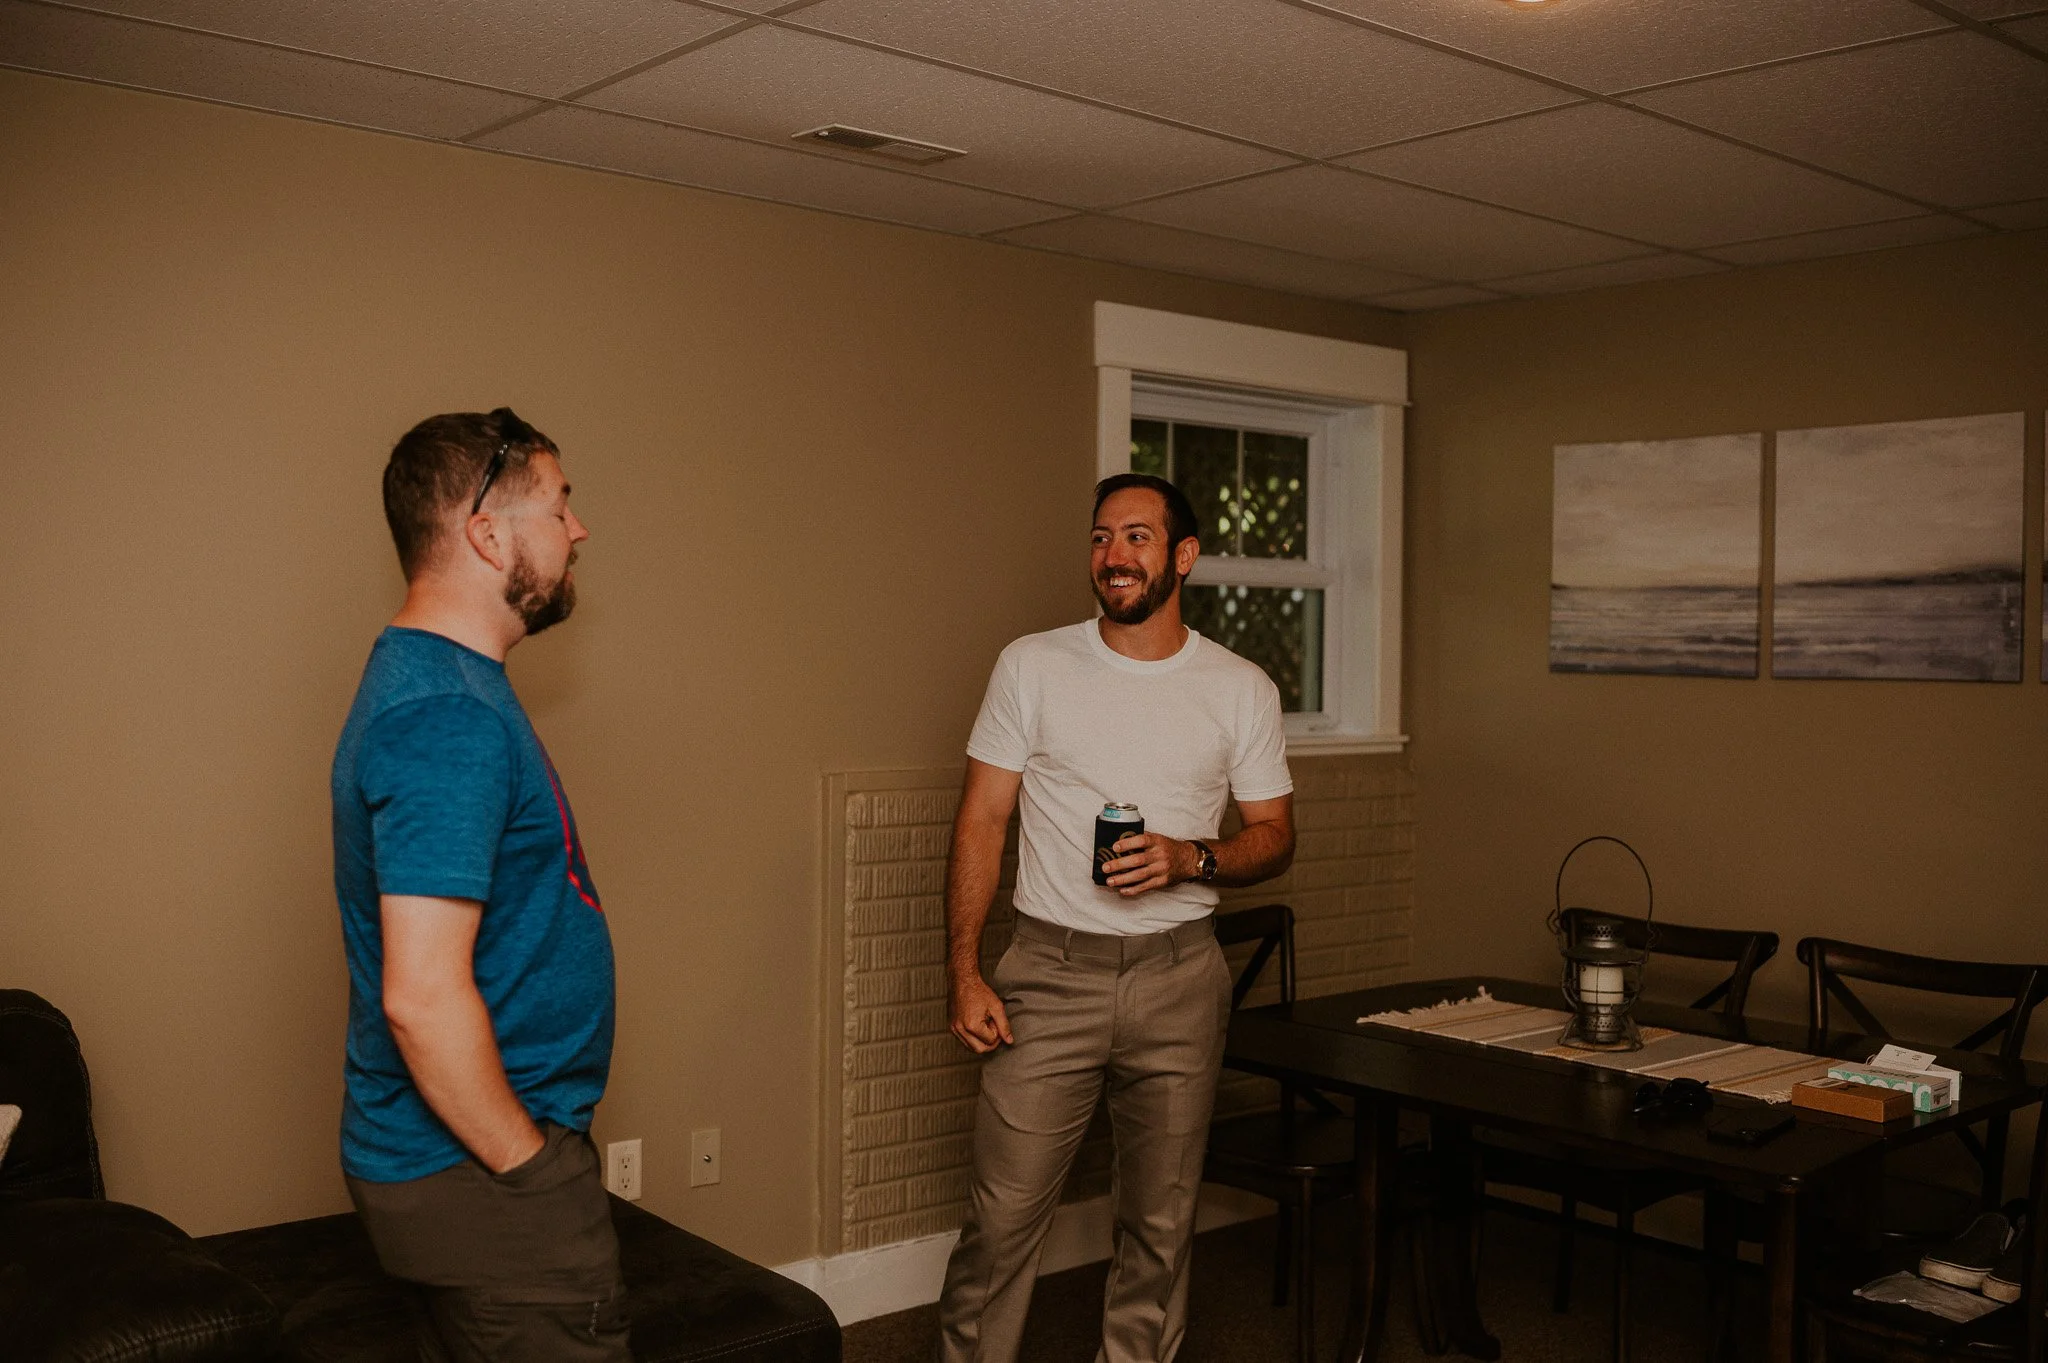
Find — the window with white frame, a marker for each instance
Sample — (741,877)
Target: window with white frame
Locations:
(1296,486)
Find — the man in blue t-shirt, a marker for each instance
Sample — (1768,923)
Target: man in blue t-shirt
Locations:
(480,967)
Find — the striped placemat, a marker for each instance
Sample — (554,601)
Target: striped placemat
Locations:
(1762,1072)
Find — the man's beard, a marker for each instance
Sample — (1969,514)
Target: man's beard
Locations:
(1157,592)
(539,606)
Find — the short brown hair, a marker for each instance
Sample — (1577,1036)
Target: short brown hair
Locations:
(440,463)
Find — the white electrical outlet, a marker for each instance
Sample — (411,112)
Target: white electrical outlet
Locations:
(622,1169)
(703,1157)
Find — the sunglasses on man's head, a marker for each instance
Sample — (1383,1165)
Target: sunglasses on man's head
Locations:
(511,431)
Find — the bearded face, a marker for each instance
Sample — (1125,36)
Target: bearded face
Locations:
(1129,593)
(539,604)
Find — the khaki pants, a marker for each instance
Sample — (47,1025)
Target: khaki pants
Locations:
(518,1267)
(1144,1017)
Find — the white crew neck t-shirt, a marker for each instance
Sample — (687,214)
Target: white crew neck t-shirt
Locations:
(1086,726)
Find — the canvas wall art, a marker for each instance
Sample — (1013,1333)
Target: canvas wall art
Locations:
(1655,556)
(1899,550)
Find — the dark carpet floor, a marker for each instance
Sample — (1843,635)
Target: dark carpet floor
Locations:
(1232,1316)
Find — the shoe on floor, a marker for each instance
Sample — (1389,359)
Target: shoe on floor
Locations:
(1966,1260)
(2003,1282)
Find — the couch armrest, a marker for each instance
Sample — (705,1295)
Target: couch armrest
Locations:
(86,1278)
(53,1153)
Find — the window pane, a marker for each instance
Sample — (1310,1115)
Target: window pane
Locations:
(1275,495)
(1205,468)
(1279,628)
(1148,447)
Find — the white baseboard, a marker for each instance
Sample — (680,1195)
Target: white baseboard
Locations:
(875,1282)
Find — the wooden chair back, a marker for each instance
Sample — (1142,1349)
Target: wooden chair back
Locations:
(1744,952)
(1831,964)
(1272,927)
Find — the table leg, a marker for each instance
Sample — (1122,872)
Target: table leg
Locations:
(1458,1191)
(1781,1269)
(1377,1148)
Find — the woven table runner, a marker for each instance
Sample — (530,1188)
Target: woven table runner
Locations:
(1762,1072)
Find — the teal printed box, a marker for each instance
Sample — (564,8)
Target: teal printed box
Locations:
(1930,1091)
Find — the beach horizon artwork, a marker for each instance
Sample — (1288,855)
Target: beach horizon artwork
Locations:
(1899,550)
(1656,556)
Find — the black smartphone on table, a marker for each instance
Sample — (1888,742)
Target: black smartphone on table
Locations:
(1748,1125)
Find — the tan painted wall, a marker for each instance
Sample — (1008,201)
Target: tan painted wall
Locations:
(829,467)
(1908,814)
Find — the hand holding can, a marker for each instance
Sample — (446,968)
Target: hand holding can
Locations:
(1116,821)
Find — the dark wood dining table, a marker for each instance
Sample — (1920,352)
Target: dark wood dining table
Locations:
(1321,1043)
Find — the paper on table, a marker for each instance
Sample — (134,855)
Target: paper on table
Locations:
(1895,1057)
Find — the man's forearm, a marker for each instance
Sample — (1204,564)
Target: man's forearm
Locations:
(1258,852)
(972,874)
(447,1043)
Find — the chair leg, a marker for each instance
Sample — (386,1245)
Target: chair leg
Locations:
(1283,1252)
(1624,1243)
(1305,1275)
(1567,1237)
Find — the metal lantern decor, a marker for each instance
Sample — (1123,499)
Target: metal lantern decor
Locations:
(1603,970)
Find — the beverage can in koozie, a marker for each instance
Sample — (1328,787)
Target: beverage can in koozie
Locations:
(1115,821)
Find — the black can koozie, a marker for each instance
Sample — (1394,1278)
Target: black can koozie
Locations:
(1114,822)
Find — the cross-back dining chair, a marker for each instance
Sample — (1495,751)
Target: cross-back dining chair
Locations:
(1620,1187)
(1302,1154)
(1842,1325)
(1832,964)
(1914,1214)
(1299,1158)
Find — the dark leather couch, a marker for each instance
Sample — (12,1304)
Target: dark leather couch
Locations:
(82,1278)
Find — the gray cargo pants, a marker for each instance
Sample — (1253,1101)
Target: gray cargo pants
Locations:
(518,1267)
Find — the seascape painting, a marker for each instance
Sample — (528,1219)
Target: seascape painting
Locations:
(1899,550)
(1654,556)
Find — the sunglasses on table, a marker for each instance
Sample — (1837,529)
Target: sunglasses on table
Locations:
(511,431)
(1679,1098)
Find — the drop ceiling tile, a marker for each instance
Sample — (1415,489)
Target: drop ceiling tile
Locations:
(1875,236)
(1611,45)
(540,47)
(1445,296)
(1259,69)
(149,57)
(1992,9)
(2019,217)
(1620,171)
(2033,32)
(770,83)
(1166,248)
(585,137)
(1956,119)
(1640,270)
(1319,211)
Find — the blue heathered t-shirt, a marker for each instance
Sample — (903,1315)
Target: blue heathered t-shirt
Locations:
(442,788)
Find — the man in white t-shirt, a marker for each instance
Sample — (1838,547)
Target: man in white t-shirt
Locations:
(1118,986)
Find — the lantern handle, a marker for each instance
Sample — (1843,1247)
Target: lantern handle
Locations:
(1649,889)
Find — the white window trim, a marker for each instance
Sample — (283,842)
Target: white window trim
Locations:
(1364,388)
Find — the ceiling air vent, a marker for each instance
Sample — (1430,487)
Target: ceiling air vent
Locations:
(905,149)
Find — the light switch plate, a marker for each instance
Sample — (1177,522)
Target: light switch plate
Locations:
(704,1157)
